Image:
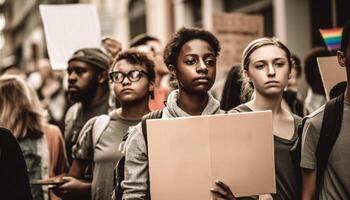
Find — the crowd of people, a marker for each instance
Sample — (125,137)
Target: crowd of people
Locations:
(83,131)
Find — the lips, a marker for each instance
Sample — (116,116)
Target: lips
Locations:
(72,88)
(202,79)
(272,82)
(126,90)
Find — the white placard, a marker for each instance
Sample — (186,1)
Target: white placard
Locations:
(69,28)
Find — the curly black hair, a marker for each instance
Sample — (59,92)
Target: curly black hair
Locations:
(135,57)
(173,47)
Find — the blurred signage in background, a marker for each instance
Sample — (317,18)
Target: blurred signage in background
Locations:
(235,31)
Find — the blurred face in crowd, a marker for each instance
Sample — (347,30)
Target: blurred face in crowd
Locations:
(293,80)
(196,67)
(157,48)
(82,81)
(130,82)
(268,70)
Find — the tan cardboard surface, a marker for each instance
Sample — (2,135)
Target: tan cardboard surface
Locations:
(331,72)
(186,155)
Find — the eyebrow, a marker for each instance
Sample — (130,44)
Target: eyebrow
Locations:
(274,60)
(194,54)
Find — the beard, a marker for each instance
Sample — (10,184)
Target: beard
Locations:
(84,94)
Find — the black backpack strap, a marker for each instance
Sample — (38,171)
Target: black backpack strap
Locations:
(331,124)
(157,114)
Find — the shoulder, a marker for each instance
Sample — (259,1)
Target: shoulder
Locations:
(135,138)
(72,110)
(240,108)
(297,119)
(6,137)
(51,129)
(316,118)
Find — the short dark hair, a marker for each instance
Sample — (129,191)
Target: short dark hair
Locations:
(135,57)
(312,73)
(173,47)
(141,39)
(345,36)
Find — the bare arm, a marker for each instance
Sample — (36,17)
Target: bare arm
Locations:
(308,184)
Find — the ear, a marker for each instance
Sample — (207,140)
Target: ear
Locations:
(341,58)
(103,76)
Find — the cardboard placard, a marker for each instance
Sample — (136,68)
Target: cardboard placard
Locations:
(235,31)
(68,28)
(187,155)
(331,72)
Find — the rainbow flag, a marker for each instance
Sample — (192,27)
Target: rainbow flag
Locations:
(332,38)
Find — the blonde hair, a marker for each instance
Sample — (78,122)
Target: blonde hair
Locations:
(247,87)
(20,109)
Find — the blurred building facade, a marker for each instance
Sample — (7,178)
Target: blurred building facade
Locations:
(295,22)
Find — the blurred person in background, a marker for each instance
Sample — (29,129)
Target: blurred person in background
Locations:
(316,95)
(290,94)
(154,47)
(51,93)
(231,94)
(42,144)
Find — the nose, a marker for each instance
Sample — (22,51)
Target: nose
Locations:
(202,67)
(126,81)
(271,71)
(72,77)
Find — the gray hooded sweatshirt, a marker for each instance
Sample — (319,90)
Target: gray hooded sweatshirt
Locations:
(136,159)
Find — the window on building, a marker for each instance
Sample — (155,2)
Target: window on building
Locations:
(137,16)
(261,7)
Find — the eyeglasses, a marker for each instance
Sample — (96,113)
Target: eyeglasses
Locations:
(133,76)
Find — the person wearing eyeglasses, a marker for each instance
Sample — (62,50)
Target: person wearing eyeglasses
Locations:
(132,75)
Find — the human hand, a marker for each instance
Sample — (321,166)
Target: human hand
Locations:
(112,46)
(72,188)
(222,191)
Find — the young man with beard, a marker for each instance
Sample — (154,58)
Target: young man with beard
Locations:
(88,88)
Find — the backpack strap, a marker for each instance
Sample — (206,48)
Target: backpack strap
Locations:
(331,124)
(157,114)
(99,126)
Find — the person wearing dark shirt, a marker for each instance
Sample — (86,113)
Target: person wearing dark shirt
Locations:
(14,182)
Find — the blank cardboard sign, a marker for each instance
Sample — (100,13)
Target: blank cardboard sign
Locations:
(187,155)
(331,72)
(69,27)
